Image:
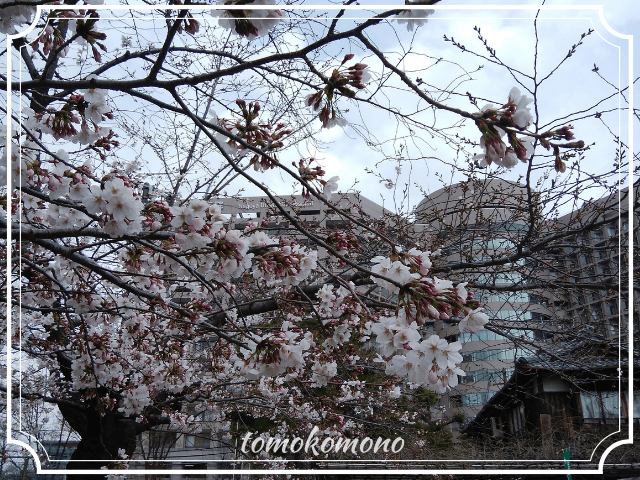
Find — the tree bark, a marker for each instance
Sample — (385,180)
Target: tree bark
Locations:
(102,437)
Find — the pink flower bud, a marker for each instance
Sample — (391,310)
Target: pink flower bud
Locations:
(347,58)
(192,26)
(565,132)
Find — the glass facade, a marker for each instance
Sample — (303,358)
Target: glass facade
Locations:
(487,335)
(498,376)
(479,398)
(496,354)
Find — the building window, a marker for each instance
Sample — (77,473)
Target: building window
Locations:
(495,376)
(249,215)
(278,228)
(599,406)
(486,335)
(200,440)
(539,317)
(586,259)
(510,315)
(499,243)
(480,398)
(482,355)
(511,297)
(596,311)
(337,224)
(207,416)
(205,344)
(536,298)
(541,336)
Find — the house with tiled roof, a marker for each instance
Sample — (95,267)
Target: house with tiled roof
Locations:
(577,390)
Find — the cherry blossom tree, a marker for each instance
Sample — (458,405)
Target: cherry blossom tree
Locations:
(118,272)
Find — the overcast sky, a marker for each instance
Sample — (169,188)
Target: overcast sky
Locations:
(574,87)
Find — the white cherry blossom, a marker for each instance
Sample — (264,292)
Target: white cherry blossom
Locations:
(96,110)
(323,372)
(330,187)
(414,18)
(523,116)
(474,321)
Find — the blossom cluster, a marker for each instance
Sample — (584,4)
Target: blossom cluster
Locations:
(515,113)
(432,362)
(81,24)
(14,15)
(114,204)
(249,23)
(414,18)
(274,354)
(343,242)
(312,176)
(394,272)
(341,314)
(87,110)
(289,265)
(263,136)
(344,80)
(405,268)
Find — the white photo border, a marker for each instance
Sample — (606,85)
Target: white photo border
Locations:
(562,470)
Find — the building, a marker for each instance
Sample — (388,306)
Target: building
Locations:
(314,212)
(474,222)
(205,447)
(596,261)
(580,280)
(568,398)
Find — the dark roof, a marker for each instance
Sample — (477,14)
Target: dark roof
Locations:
(585,352)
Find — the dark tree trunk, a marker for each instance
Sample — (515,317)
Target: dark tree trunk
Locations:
(102,437)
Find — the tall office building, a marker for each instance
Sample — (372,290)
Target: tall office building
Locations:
(596,260)
(581,280)
(474,223)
